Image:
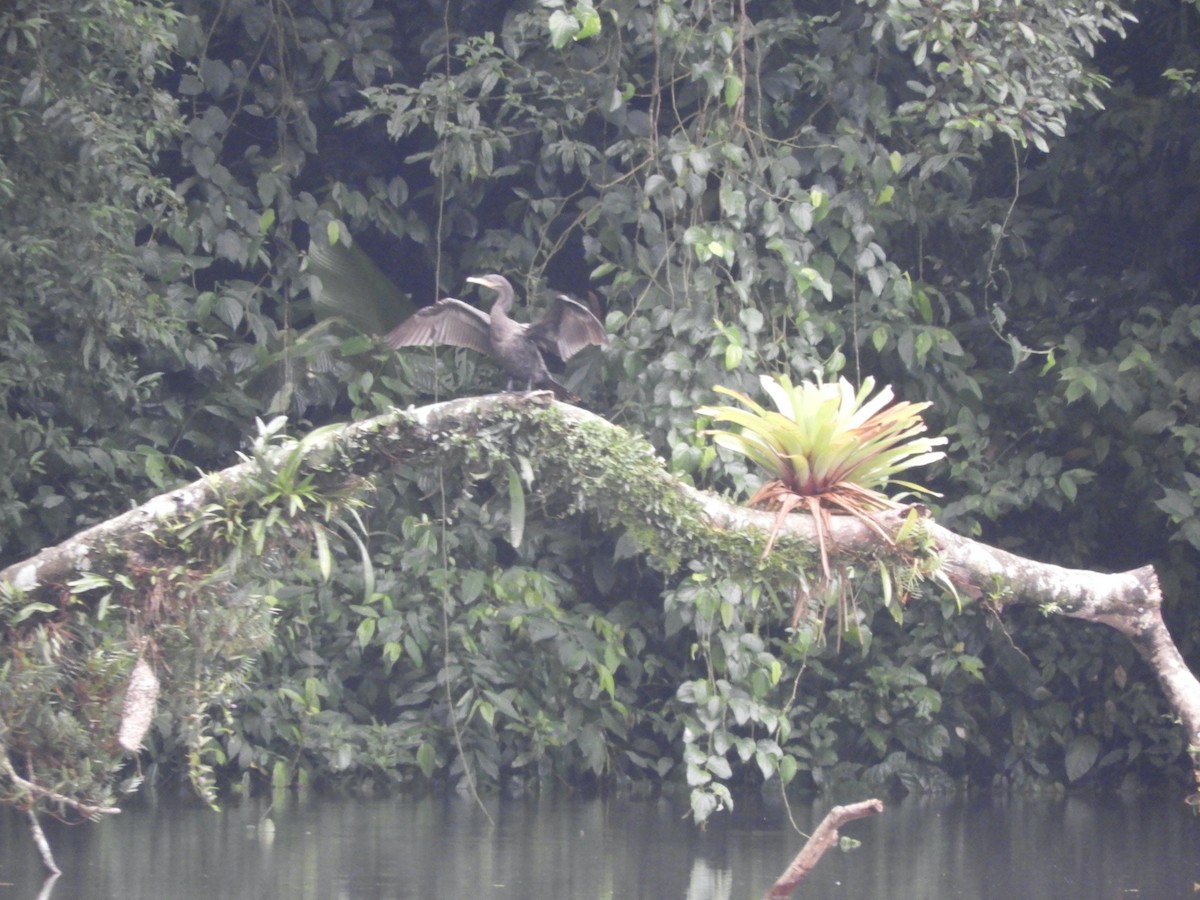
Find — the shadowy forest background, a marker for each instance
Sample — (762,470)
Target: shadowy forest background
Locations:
(210,210)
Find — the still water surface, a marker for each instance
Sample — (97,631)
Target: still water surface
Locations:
(564,848)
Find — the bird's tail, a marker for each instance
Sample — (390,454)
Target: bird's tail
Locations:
(560,392)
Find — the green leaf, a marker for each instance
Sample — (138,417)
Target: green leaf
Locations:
(733,90)
(487,711)
(787,768)
(607,682)
(364,555)
(324,556)
(413,649)
(516,505)
(589,20)
(720,767)
(31,609)
(885,581)
(1081,756)
(88,582)
(1155,421)
(331,60)
(365,631)
(1066,484)
(563,27)
(473,583)
(733,356)
(704,804)
(426,759)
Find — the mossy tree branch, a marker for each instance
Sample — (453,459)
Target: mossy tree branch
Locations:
(579,462)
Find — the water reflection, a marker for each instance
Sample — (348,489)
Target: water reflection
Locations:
(443,847)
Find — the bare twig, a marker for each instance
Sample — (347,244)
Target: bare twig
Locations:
(84,809)
(43,845)
(814,848)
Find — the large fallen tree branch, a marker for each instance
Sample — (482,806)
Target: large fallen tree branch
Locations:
(1130,602)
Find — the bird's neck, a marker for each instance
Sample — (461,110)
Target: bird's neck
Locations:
(502,305)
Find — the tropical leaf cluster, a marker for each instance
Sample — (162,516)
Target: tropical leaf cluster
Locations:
(829,448)
(829,441)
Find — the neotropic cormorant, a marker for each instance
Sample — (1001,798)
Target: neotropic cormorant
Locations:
(565,329)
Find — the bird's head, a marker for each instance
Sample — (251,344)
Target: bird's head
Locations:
(496,282)
(499,284)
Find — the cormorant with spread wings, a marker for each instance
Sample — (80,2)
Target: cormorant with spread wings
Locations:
(565,329)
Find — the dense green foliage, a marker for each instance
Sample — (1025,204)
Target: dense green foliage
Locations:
(83,337)
(198,204)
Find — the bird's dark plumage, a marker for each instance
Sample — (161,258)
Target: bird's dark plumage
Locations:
(565,329)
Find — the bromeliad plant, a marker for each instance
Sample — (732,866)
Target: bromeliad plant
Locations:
(829,448)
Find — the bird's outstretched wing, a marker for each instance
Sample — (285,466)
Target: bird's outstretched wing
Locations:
(449,321)
(567,328)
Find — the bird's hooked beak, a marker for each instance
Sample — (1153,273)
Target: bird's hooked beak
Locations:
(499,284)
